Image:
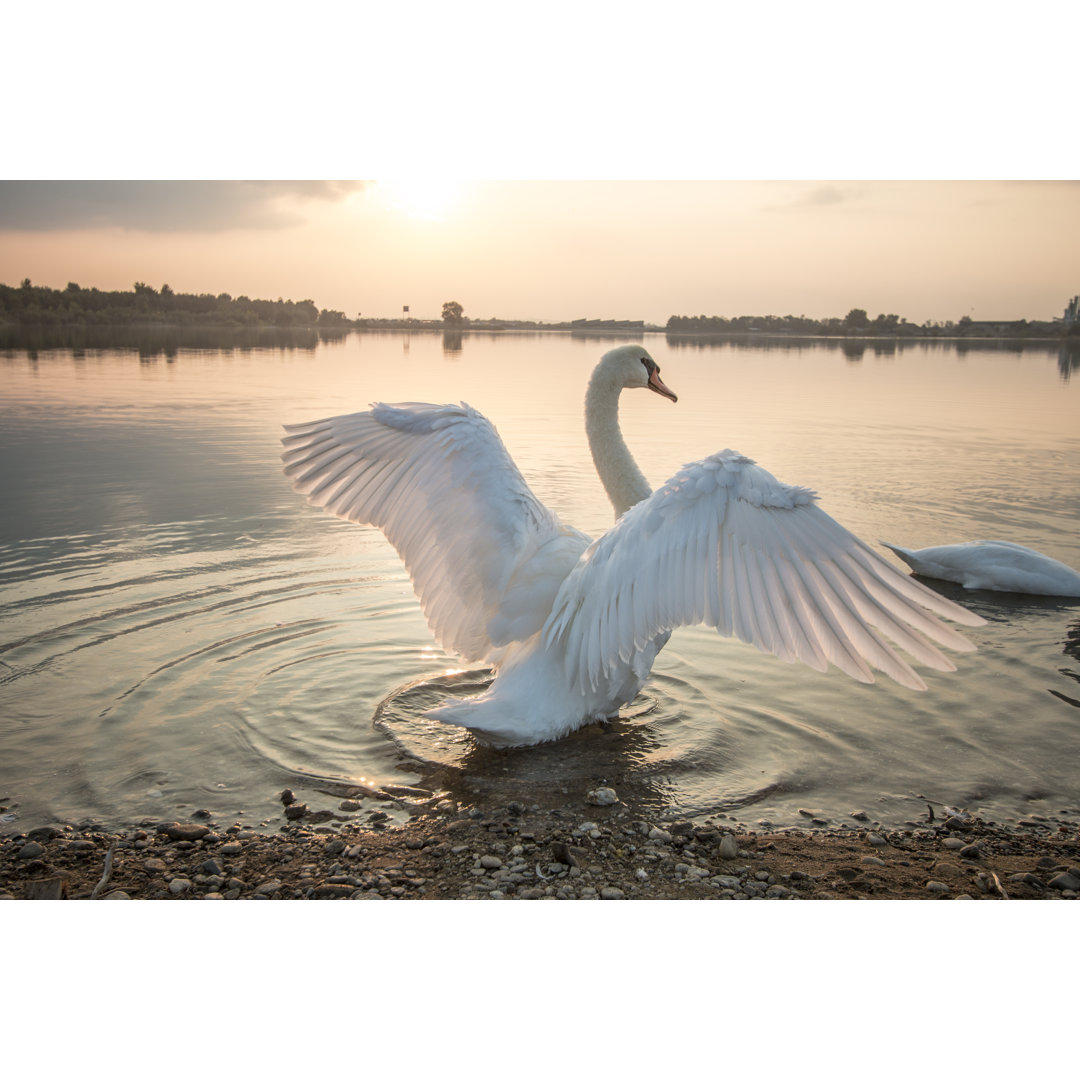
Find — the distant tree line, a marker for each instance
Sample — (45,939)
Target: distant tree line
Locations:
(36,305)
(858,323)
(855,322)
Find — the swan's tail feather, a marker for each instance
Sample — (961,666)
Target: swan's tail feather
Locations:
(895,547)
(904,553)
(477,715)
(458,713)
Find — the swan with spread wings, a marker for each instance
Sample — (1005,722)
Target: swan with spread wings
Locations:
(572,625)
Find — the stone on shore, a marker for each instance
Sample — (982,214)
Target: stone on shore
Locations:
(602,796)
(185,831)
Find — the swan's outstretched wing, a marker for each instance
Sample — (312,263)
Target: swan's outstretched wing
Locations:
(725,543)
(486,557)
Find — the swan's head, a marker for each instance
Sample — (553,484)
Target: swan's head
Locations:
(632,366)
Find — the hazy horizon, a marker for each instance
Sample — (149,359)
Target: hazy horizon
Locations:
(560,250)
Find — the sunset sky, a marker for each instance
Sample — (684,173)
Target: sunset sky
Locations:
(556,250)
(550,156)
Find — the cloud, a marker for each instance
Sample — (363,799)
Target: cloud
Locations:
(162,205)
(821,196)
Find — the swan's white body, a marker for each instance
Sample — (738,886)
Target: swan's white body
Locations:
(996,565)
(573,625)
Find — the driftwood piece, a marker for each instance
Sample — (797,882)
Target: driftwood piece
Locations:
(108,870)
(998,887)
(54,888)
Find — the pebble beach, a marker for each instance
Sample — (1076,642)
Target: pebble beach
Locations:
(593,847)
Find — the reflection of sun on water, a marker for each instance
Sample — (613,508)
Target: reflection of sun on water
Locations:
(430,654)
(424,199)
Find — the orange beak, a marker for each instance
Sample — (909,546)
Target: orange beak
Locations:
(657,385)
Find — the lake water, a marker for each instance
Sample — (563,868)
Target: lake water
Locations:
(179,630)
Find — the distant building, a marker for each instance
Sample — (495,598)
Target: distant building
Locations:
(607,324)
(1072,312)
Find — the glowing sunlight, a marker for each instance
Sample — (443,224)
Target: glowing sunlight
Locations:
(429,198)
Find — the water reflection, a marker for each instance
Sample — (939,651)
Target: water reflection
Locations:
(635,752)
(1021,614)
(154,341)
(614,336)
(1071,649)
(177,624)
(1068,359)
(1072,640)
(167,342)
(1068,353)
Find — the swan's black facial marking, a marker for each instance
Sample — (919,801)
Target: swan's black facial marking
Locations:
(655,383)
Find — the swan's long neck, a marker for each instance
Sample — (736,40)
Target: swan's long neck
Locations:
(619,473)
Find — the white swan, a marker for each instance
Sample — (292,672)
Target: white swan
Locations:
(996,565)
(572,625)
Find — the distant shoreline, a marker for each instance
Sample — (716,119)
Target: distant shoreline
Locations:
(54,329)
(38,308)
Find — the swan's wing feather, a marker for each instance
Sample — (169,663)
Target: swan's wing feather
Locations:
(439,483)
(725,543)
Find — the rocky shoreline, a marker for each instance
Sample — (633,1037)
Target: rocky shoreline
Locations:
(599,848)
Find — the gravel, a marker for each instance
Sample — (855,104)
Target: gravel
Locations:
(492,851)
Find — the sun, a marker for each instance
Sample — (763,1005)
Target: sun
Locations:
(421,198)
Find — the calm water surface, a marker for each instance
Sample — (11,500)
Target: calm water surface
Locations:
(179,630)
